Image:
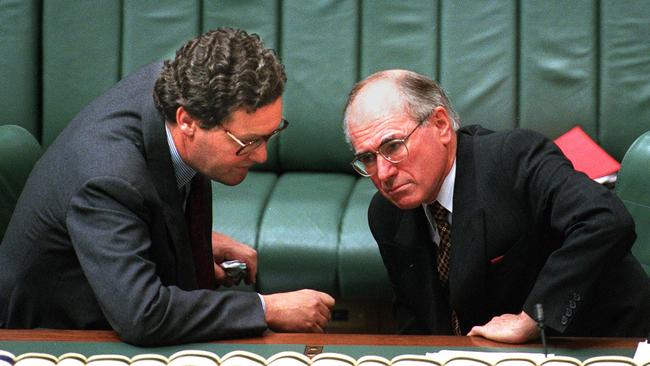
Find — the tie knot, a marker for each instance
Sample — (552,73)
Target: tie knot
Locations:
(440,214)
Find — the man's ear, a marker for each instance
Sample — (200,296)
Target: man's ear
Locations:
(186,123)
(441,120)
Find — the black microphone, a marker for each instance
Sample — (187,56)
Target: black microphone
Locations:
(539,317)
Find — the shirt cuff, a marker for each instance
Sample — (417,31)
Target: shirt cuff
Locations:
(263,303)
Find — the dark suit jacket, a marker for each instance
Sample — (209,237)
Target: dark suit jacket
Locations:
(526,229)
(98,239)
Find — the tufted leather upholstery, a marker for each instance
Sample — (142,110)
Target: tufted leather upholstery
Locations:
(544,65)
(19,151)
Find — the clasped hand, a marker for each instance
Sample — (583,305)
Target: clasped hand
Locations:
(225,248)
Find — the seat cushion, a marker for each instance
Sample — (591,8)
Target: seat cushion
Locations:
(300,232)
(237,210)
(19,151)
(361,271)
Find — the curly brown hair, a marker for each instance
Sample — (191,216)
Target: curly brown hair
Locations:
(217,73)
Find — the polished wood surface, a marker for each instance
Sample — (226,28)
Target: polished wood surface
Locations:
(328,339)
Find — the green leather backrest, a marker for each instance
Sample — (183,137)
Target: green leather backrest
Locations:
(545,65)
(633,188)
(19,64)
(19,151)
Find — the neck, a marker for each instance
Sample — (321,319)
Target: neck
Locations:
(179,139)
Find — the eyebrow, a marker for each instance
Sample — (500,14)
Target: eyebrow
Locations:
(249,138)
(383,141)
(362,154)
(254,137)
(388,138)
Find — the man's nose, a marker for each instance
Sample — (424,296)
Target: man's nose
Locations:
(259,154)
(385,169)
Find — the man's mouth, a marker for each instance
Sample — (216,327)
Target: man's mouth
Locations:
(395,188)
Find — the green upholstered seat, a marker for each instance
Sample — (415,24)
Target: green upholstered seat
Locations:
(505,64)
(362,274)
(299,232)
(19,150)
(633,188)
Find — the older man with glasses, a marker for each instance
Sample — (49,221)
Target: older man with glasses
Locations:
(113,228)
(476,228)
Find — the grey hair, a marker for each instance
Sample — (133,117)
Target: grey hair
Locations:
(420,96)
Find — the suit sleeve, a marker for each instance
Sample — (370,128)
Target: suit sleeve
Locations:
(108,221)
(594,227)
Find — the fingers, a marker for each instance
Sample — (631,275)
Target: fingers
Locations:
(298,311)
(477,331)
(319,326)
(251,272)
(222,277)
(507,328)
(327,300)
(226,248)
(323,305)
(219,273)
(317,323)
(325,308)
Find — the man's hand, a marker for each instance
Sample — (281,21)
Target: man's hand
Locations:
(298,311)
(226,248)
(508,328)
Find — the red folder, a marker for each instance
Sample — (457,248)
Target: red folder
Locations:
(586,155)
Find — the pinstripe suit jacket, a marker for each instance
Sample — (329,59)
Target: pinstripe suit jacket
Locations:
(98,239)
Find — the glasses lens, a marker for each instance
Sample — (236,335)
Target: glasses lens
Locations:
(272,136)
(365,164)
(360,168)
(394,151)
(283,126)
(249,147)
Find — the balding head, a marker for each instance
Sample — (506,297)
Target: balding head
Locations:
(394,91)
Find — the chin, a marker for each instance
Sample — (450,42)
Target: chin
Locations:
(232,180)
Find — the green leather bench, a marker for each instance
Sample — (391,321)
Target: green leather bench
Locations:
(632,188)
(544,65)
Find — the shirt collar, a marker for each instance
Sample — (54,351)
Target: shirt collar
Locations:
(183,172)
(446,194)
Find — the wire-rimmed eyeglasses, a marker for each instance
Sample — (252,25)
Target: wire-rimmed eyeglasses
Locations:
(394,151)
(246,147)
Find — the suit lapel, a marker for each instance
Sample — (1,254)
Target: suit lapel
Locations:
(161,169)
(468,269)
(413,238)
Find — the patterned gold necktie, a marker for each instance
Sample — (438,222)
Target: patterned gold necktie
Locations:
(440,215)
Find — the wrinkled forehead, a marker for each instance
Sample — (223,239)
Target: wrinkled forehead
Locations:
(374,102)
(370,135)
(377,111)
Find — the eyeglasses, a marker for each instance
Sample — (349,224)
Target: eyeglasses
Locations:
(394,151)
(246,147)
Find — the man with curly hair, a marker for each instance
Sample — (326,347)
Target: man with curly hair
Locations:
(113,229)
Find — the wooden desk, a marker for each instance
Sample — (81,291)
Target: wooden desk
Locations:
(325,339)
(356,345)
